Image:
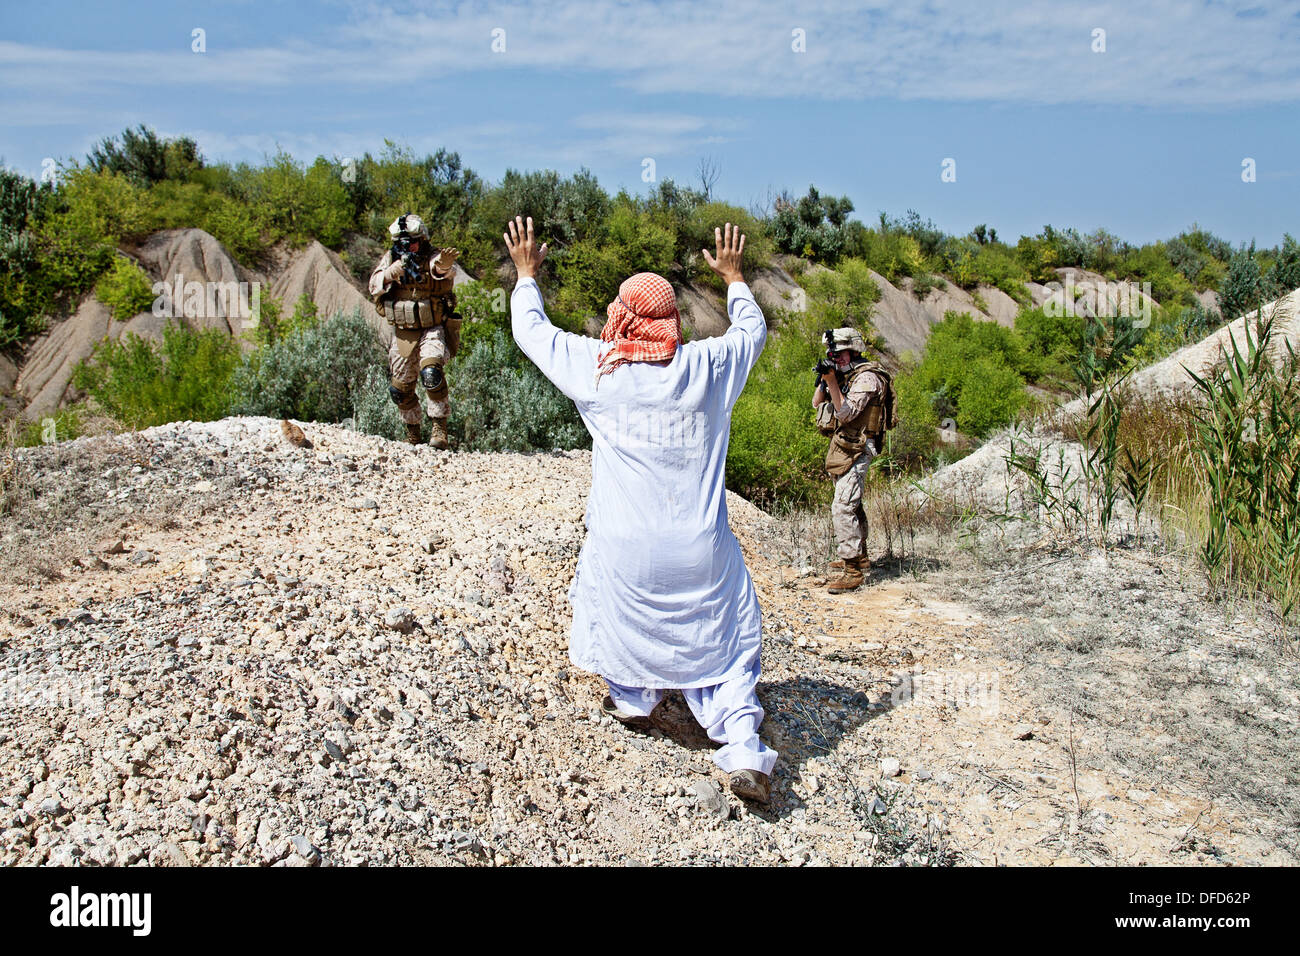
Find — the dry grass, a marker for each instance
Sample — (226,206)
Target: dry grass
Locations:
(906,531)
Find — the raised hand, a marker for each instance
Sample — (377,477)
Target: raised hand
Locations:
(731,246)
(524,252)
(446,260)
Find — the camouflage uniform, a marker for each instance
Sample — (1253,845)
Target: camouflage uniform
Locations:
(856,431)
(848,519)
(425,332)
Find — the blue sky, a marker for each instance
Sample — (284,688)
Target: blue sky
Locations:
(1143,138)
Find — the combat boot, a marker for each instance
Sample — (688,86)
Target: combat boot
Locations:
(850,578)
(438,433)
(413,434)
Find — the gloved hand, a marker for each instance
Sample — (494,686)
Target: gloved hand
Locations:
(394,271)
(446,261)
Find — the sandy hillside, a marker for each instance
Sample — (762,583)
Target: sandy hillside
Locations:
(983,479)
(219,648)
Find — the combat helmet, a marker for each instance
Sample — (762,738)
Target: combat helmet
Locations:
(408,226)
(845,338)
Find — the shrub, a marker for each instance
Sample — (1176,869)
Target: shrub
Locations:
(313,374)
(143,383)
(478,306)
(231,223)
(125,289)
(912,443)
(991,395)
(500,401)
(891,254)
(591,270)
(814,227)
(91,213)
(696,233)
(1050,341)
(845,295)
(971,370)
(272,327)
(1285,274)
(1151,264)
(373,411)
(296,204)
(997,266)
(775,452)
(21,302)
(144,158)
(1243,287)
(564,211)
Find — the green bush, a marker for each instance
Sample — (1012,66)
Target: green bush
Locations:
(1243,288)
(21,301)
(775,452)
(501,402)
(272,327)
(484,310)
(90,214)
(64,425)
(997,266)
(297,204)
(1284,276)
(814,226)
(591,270)
(564,211)
(913,442)
(312,374)
(991,395)
(143,383)
(1151,263)
(891,254)
(125,288)
(145,158)
(972,371)
(231,223)
(1050,342)
(843,296)
(373,411)
(695,233)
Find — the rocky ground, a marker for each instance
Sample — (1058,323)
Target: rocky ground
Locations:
(217,647)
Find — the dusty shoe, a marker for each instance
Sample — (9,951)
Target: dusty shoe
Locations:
(850,578)
(836,565)
(438,434)
(751,785)
(636,722)
(413,434)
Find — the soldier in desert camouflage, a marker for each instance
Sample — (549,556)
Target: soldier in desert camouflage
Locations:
(412,288)
(855,406)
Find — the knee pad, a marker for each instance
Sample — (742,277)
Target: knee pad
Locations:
(401,398)
(431,377)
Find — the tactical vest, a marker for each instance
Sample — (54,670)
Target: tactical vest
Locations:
(849,439)
(417,305)
(878,416)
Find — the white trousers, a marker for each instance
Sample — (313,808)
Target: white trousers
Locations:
(729,713)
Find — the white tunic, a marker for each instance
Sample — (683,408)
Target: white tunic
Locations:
(661,597)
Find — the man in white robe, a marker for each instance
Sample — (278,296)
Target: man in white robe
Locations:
(661,598)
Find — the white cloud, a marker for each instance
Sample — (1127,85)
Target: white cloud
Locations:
(1163,53)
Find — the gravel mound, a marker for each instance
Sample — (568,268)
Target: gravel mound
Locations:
(220,648)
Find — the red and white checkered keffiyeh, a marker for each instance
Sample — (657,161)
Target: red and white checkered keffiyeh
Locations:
(643,323)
